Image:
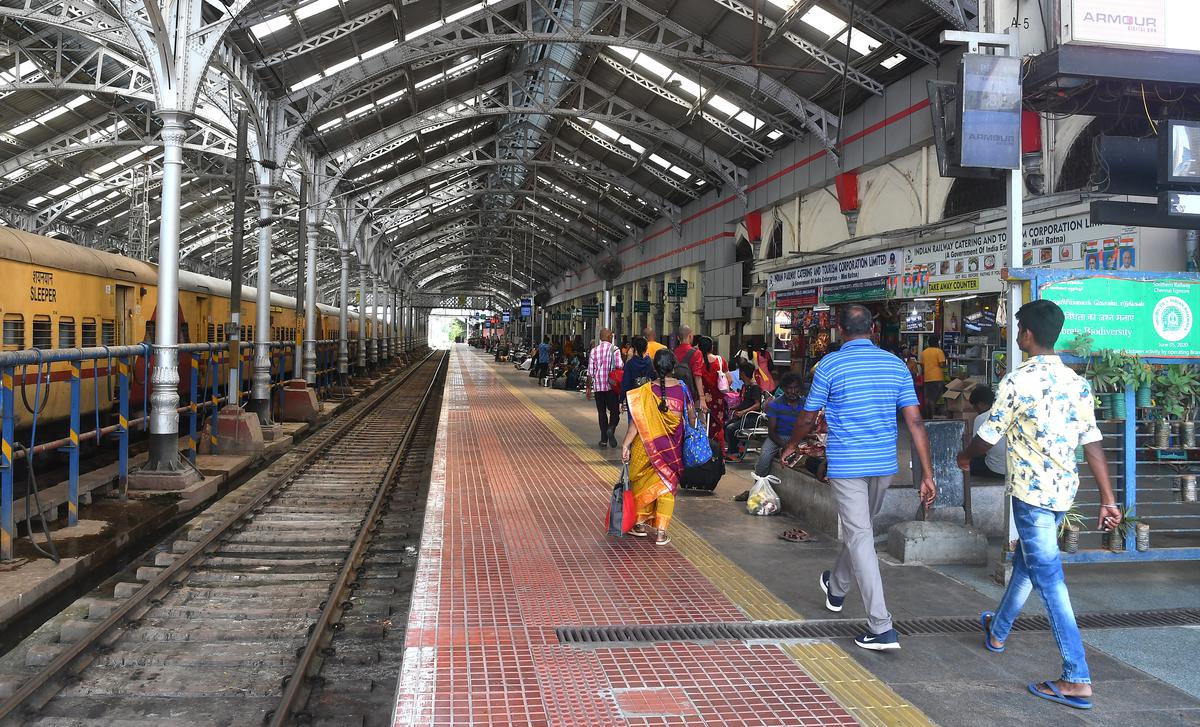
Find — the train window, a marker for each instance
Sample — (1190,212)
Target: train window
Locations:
(150,331)
(108,332)
(88,329)
(43,332)
(242,332)
(66,332)
(248,333)
(212,333)
(185,335)
(220,334)
(14,332)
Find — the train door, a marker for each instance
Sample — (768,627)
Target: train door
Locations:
(124,317)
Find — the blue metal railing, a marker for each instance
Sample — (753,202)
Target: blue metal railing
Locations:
(206,391)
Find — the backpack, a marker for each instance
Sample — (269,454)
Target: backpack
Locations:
(683,370)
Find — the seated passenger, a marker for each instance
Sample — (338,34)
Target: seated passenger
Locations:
(782,414)
(995,462)
(740,414)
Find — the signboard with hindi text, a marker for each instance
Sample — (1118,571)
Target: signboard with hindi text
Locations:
(1151,317)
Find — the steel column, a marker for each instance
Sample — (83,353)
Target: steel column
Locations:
(343,355)
(164,379)
(310,306)
(371,344)
(303,235)
(73,453)
(362,318)
(235,271)
(260,394)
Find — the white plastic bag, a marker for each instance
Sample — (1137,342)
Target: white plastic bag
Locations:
(763,499)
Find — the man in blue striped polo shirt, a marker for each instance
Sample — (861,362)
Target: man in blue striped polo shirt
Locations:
(860,387)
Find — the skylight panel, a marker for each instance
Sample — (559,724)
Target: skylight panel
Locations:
(660,161)
(860,42)
(423,30)
(687,85)
(606,130)
(341,66)
(647,63)
(36,201)
(307,81)
(824,21)
(681,173)
(626,53)
(890,63)
(455,17)
(318,6)
(775,135)
(377,50)
(274,25)
(749,120)
(724,105)
(330,124)
(59,190)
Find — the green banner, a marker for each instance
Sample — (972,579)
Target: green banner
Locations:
(1149,318)
(857,291)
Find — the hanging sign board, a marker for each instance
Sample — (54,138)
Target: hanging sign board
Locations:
(1150,318)
(1165,24)
(863,267)
(590,311)
(991,111)
(677,290)
(857,291)
(641,306)
(797,298)
(507,316)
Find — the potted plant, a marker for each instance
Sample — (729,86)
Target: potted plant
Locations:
(1141,377)
(1068,531)
(1177,388)
(1108,374)
(1116,536)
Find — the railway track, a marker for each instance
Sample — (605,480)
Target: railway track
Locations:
(233,620)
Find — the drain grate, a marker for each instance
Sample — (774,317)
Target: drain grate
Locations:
(848,628)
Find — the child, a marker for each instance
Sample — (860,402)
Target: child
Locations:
(995,462)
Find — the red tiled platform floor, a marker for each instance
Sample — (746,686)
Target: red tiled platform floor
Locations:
(514,546)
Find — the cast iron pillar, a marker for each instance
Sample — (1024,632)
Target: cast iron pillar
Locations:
(343,361)
(164,376)
(362,318)
(260,386)
(310,306)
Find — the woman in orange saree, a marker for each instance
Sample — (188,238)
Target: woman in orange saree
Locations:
(653,447)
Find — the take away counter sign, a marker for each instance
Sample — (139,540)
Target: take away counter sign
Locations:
(973,263)
(1150,318)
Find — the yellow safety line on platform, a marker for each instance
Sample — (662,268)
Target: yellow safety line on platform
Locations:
(860,692)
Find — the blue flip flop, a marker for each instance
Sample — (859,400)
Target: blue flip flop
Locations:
(1058,696)
(985,620)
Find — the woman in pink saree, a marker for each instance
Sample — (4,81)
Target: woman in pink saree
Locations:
(653,447)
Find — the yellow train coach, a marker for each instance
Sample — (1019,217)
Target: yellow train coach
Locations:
(61,295)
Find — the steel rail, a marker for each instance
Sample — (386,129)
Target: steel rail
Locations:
(334,604)
(168,576)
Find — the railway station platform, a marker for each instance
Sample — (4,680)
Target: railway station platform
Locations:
(514,555)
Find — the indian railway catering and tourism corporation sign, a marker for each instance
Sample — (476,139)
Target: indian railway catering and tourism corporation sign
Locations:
(1152,317)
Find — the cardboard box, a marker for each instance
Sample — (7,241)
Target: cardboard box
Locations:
(958,395)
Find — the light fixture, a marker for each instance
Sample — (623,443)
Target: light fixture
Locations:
(965,297)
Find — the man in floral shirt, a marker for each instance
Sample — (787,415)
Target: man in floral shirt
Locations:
(1046,411)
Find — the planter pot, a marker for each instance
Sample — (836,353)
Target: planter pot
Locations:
(1162,434)
(1118,406)
(1079,458)
(1187,435)
(1142,531)
(1187,488)
(1104,403)
(1116,543)
(1143,396)
(1070,540)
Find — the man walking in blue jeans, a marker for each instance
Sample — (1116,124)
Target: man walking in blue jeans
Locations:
(860,387)
(1046,410)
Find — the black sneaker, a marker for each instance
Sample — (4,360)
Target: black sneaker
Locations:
(887,641)
(603,444)
(833,603)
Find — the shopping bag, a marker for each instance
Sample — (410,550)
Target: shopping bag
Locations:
(696,448)
(763,499)
(621,511)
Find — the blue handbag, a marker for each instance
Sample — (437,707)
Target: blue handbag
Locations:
(697,450)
